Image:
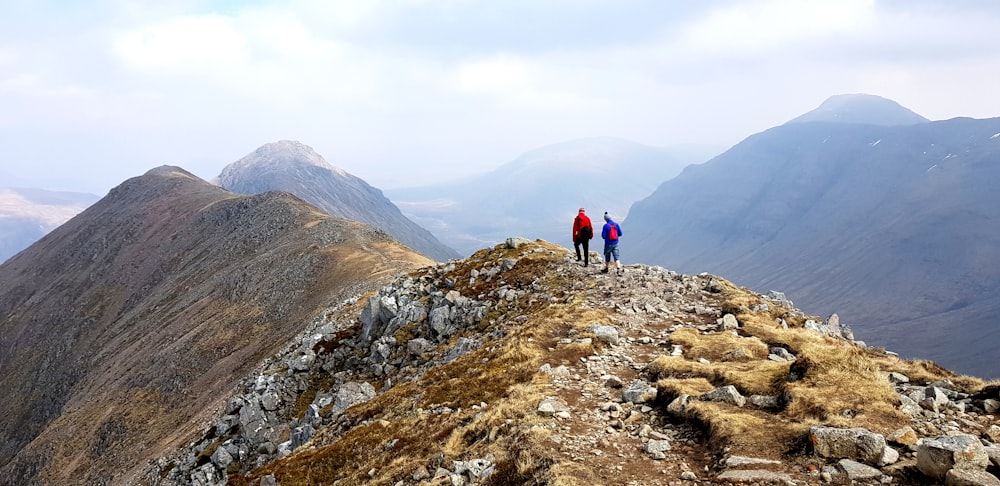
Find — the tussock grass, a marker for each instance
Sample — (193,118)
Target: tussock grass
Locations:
(717,346)
(746,431)
(683,386)
(836,382)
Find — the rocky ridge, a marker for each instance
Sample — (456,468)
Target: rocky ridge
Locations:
(518,365)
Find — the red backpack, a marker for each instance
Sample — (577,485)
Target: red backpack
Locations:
(612,233)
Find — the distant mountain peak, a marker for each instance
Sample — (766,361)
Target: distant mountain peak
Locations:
(861,108)
(283,153)
(296,168)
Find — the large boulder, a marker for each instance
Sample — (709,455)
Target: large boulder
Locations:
(936,456)
(857,444)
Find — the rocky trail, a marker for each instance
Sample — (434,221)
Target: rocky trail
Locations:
(520,366)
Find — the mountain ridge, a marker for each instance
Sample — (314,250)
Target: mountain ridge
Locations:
(517,365)
(296,168)
(123,324)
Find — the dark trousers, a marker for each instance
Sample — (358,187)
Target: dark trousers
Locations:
(586,250)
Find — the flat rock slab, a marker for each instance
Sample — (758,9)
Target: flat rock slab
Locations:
(753,475)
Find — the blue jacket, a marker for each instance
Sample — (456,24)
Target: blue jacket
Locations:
(607,227)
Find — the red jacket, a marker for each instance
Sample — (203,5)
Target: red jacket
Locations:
(581,222)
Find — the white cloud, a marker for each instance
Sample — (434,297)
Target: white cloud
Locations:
(526,83)
(181,46)
(755,27)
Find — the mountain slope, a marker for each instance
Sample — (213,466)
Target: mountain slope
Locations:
(540,192)
(296,168)
(27,214)
(126,324)
(892,227)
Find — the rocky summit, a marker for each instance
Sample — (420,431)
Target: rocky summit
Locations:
(518,365)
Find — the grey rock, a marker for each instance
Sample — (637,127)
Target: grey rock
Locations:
(514,242)
(738,354)
(857,444)
(991,405)
(855,471)
(936,395)
(420,474)
(898,378)
(476,469)
(352,393)
(301,435)
(755,476)
(463,346)
(728,322)
(936,456)
(442,323)
(549,407)
(656,445)
(741,461)
(970,477)
(909,406)
(889,456)
(993,452)
(639,391)
(765,402)
(418,346)
(727,394)
(222,458)
(605,334)
(780,299)
(270,400)
(268,480)
(714,286)
(678,405)
(781,353)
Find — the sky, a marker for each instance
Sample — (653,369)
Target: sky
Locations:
(413,92)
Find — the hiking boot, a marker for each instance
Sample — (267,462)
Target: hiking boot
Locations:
(604,270)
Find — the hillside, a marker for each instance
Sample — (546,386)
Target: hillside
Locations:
(128,324)
(892,227)
(539,193)
(28,214)
(519,366)
(296,168)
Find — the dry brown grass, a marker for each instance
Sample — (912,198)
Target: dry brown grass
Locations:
(717,346)
(841,384)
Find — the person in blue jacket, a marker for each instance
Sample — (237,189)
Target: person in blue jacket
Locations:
(611,233)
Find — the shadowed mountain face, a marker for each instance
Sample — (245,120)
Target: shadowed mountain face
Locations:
(539,193)
(124,325)
(892,227)
(28,214)
(296,168)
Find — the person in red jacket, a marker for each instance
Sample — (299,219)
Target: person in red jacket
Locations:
(583,231)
